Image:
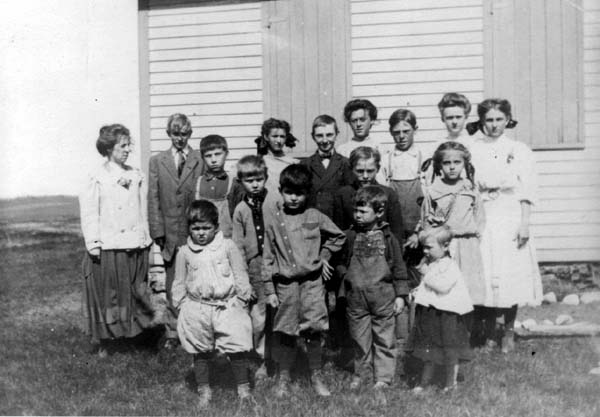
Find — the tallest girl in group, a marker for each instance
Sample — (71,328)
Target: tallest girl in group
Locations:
(505,176)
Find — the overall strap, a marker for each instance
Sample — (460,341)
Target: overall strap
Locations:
(197,194)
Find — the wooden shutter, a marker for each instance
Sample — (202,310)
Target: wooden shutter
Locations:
(306,63)
(533,57)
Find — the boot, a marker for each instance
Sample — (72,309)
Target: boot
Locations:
(244,393)
(508,341)
(205,394)
(318,384)
(282,389)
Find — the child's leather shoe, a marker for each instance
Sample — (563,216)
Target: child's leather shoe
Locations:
(205,394)
(318,384)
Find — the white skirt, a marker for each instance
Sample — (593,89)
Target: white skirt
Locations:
(511,274)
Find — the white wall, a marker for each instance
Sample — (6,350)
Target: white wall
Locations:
(69,66)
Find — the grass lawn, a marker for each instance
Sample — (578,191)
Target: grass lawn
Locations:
(46,368)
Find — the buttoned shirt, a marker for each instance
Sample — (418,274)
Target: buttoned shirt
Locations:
(402,165)
(293,248)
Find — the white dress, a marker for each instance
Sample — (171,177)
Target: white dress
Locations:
(505,176)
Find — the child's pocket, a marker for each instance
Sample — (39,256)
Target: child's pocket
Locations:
(310,230)
(223,267)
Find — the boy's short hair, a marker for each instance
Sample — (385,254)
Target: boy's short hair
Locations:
(296,178)
(403,115)
(212,142)
(371,196)
(202,211)
(364,152)
(454,100)
(358,104)
(442,234)
(178,122)
(109,136)
(324,120)
(251,166)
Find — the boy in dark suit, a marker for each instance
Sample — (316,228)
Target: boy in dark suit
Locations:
(330,170)
(173,175)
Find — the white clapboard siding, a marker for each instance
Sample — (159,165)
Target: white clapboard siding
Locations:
(206,61)
(408,54)
(566,222)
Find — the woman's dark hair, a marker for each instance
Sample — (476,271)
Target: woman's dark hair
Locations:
(297,178)
(485,106)
(453,146)
(262,145)
(358,104)
(109,136)
(403,115)
(202,211)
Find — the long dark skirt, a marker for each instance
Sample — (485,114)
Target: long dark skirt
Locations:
(441,337)
(117,297)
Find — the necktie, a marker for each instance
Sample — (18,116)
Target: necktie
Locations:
(180,162)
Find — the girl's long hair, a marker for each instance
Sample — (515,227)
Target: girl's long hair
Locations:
(453,146)
(262,145)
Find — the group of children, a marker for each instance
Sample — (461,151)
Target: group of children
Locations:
(374,230)
(357,232)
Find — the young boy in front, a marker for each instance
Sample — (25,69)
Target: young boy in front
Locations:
(248,235)
(375,284)
(215,184)
(365,163)
(299,242)
(211,292)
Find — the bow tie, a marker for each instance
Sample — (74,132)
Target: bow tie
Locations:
(325,155)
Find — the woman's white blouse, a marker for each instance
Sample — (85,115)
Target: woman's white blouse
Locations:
(114,210)
(504,164)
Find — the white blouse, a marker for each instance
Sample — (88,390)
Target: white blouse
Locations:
(113,209)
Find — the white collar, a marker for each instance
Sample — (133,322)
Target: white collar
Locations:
(185,150)
(212,246)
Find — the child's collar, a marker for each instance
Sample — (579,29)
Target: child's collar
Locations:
(212,246)
(219,175)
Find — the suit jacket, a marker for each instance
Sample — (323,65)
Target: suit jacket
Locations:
(169,197)
(326,182)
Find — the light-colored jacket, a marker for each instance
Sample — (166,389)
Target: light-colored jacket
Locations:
(443,287)
(113,209)
(212,274)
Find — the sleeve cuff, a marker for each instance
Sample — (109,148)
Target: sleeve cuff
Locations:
(325,254)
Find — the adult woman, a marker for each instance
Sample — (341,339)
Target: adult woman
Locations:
(504,173)
(115,229)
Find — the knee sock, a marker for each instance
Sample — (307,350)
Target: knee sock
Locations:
(284,351)
(451,374)
(510,315)
(239,367)
(202,367)
(314,349)
(427,375)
